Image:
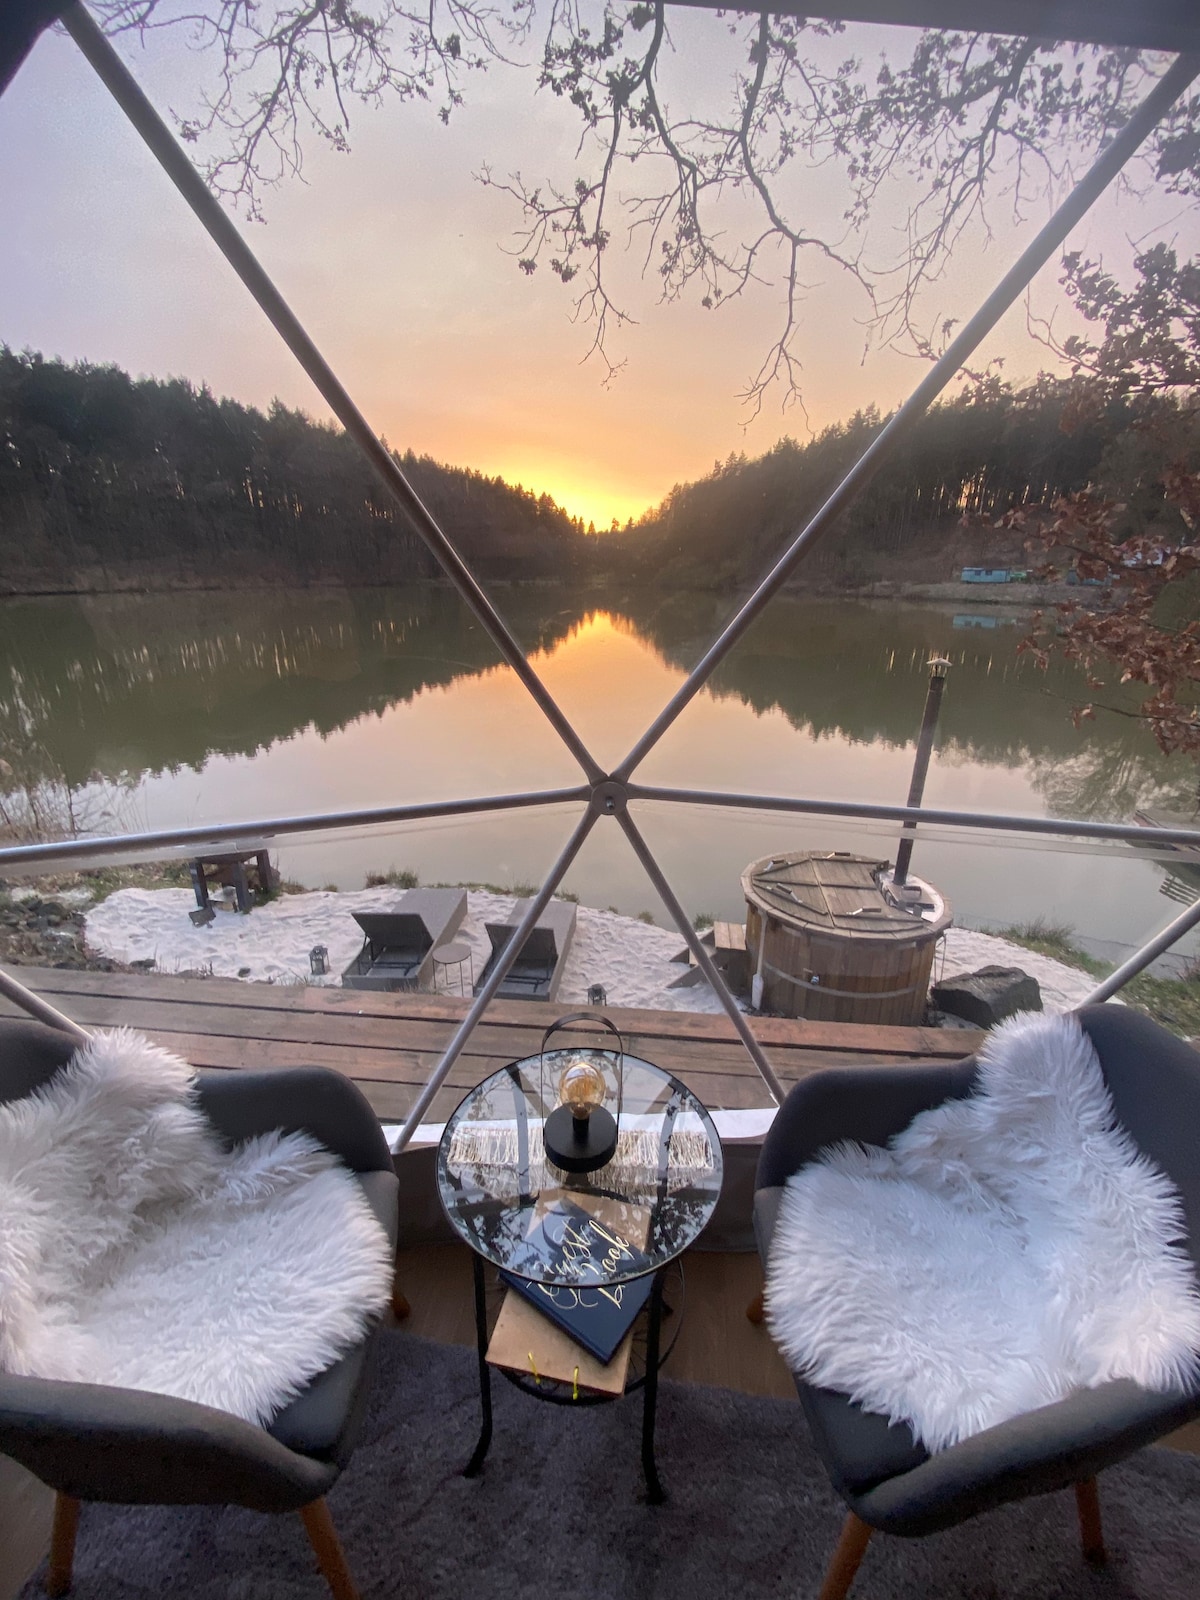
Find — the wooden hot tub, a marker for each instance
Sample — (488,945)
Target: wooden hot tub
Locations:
(832,945)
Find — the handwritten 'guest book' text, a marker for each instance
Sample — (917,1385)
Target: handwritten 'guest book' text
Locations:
(584,1252)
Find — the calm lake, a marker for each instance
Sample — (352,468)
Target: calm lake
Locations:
(178,710)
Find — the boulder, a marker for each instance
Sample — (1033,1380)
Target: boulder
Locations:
(987,996)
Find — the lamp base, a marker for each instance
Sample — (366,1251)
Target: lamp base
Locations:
(565,1147)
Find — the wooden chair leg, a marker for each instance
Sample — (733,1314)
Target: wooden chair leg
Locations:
(400,1305)
(755,1310)
(1090,1531)
(62,1544)
(852,1546)
(327,1547)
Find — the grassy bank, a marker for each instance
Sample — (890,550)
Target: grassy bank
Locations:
(1175,1002)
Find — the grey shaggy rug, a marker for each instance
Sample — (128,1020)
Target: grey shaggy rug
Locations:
(560,1510)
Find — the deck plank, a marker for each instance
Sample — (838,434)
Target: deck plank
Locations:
(390,1043)
(855,1038)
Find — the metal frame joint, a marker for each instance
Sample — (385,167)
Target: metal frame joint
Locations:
(609,798)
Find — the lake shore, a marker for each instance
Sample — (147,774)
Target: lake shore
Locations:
(93,583)
(966,597)
(635,962)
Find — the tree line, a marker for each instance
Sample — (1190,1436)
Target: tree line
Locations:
(114,478)
(976,458)
(103,477)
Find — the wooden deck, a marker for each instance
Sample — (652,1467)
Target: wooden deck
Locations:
(390,1043)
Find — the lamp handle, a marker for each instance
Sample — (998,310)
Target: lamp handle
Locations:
(584,1016)
(588,1016)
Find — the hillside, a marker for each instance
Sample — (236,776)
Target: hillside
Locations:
(933,509)
(110,482)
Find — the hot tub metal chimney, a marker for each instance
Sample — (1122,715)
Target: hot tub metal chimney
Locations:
(939,666)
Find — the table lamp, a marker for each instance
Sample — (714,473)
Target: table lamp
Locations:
(580,1134)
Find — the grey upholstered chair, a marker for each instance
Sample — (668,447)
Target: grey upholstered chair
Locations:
(94,1442)
(885,1477)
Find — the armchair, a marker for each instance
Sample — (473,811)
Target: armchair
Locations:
(99,1442)
(887,1479)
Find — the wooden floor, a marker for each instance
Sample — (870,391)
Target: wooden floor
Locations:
(390,1043)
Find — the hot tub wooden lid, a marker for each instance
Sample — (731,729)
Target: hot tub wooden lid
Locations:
(839,894)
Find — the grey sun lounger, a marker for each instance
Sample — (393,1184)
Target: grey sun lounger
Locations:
(398,945)
(537,971)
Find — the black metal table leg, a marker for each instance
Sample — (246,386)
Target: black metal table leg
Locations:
(475,1464)
(654,1489)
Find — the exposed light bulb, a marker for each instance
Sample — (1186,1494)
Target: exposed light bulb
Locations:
(583,1087)
(580,1134)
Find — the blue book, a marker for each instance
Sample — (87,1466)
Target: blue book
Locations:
(595,1314)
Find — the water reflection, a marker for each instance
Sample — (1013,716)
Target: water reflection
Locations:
(247,704)
(856,672)
(118,684)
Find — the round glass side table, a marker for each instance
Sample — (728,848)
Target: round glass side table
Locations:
(506,1200)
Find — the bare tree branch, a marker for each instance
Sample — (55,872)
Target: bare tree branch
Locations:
(955,124)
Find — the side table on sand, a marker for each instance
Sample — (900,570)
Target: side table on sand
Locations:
(229,867)
(454,957)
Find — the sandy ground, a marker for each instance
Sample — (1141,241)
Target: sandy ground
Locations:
(631,959)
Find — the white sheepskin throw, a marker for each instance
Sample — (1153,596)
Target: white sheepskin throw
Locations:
(136,1250)
(1003,1251)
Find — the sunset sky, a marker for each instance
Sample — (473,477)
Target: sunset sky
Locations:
(395,258)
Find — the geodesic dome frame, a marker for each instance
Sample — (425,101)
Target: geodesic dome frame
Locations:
(1172,25)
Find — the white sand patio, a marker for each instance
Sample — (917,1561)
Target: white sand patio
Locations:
(631,959)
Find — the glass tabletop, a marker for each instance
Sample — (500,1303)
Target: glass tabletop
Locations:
(523,1214)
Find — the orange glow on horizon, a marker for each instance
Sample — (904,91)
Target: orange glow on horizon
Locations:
(597,500)
(597,504)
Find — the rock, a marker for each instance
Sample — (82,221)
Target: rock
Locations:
(988,995)
(943,1019)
